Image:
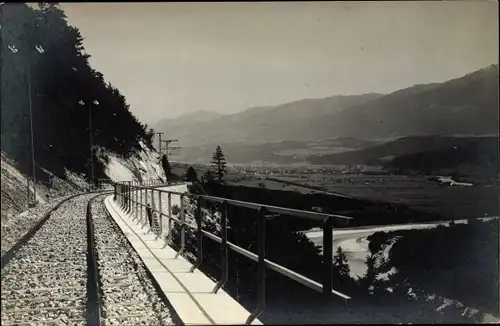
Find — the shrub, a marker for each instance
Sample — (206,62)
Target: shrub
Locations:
(175,210)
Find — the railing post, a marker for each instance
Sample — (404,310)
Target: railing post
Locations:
(136,201)
(132,198)
(128,196)
(125,196)
(114,191)
(146,202)
(141,207)
(328,256)
(261,265)
(223,249)
(152,209)
(160,216)
(169,234)
(121,195)
(183,228)
(199,236)
(125,191)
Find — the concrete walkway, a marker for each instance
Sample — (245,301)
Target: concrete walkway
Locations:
(190,294)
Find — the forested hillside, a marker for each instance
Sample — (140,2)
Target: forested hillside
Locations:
(43,60)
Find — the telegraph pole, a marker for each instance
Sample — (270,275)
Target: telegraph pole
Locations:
(32,138)
(159,140)
(91,183)
(169,149)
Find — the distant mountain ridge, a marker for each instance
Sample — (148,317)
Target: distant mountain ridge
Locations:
(259,124)
(198,116)
(478,155)
(385,153)
(465,105)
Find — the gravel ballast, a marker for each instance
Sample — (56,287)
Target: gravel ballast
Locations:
(46,279)
(13,229)
(127,293)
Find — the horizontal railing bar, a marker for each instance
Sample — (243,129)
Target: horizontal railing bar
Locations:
(192,227)
(254,257)
(275,267)
(272,209)
(163,214)
(295,276)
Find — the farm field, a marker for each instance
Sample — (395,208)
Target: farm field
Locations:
(417,192)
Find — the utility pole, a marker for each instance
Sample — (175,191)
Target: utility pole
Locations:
(32,138)
(40,50)
(159,141)
(169,150)
(91,146)
(28,194)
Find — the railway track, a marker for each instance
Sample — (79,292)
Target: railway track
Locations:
(128,293)
(75,267)
(44,280)
(15,228)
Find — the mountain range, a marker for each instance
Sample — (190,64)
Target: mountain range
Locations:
(427,154)
(463,106)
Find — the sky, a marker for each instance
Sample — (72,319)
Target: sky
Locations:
(170,59)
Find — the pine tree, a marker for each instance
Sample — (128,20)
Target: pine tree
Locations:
(166,166)
(41,50)
(340,262)
(219,163)
(370,278)
(208,177)
(191,175)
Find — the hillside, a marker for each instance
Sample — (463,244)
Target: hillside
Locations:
(427,154)
(144,165)
(463,106)
(262,124)
(385,152)
(46,70)
(477,157)
(190,121)
(14,194)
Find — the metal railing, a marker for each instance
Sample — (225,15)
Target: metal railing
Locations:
(137,199)
(105,183)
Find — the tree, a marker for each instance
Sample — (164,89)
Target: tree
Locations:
(166,166)
(191,175)
(208,177)
(340,262)
(341,276)
(175,210)
(219,163)
(370,278)
(41,50)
